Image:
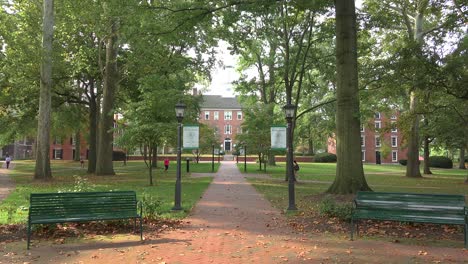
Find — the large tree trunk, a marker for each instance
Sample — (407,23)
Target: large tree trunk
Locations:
(104,165)
(349,172)
(427,153)
(77,146)
(462,158)
(42,169)
(412,167)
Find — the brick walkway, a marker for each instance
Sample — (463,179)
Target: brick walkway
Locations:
(232,223)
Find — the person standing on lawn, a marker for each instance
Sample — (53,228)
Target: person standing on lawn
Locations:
(7,160)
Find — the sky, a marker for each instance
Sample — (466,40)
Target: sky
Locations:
(224,73)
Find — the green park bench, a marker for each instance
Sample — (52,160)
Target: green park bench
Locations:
(50,208)
(410,207)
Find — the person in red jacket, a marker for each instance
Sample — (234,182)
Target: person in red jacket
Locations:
(166,164)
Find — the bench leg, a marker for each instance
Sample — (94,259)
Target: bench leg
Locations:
(134,225)
(29,234)
(141,228)
(466,236)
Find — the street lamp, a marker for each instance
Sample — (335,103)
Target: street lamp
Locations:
(212,158)
(289,110)
(179,109)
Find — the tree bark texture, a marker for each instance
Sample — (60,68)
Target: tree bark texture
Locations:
(104,165)
(462,158)
(42,169)
(412,167)
(427,154)
(349,172)
(77,156)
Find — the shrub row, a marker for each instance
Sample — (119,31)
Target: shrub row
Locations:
(325,157)
(434,161)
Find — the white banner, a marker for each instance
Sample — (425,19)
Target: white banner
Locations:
(278,137)
(191,135)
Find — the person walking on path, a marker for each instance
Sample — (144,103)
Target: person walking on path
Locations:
(7,161)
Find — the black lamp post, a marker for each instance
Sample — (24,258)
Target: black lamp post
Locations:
(179,108)
(245,157)
(212,158)
(289,110)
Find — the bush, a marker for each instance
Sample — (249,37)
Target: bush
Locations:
(329,207)
(151,206)
(440,162)
(118,155)
(403,162)
(325,157)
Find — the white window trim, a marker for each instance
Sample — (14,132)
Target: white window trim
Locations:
(226,130)
(216,115)
(396,141)
(395,159)
(362,128)
(239,114)
(394,129)
(380,125)
(229,117)
(380,141)
(393,117)
(207,115)
(377,115)
(363,155)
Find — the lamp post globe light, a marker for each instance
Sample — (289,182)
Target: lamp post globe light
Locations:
(289,110)
(179,109)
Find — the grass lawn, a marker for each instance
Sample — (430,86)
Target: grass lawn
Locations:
(386,178)
(68,176)
(314,216)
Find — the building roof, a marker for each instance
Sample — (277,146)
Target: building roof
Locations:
(219,102)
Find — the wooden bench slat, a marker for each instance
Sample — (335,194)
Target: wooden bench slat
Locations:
(46,208)
(411,207)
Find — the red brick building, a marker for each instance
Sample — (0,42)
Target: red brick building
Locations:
(64,148)
(224,115)
(381,140)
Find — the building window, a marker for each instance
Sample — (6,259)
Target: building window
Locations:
(377,141)
(362,127)
(239,115)
(216,130)
(207,115)
(227,129)
(239,130)
(393,117)
(394,141)
(377,115)
(394,156)
(378,125)
(363,142)
(227,115)
(394,128)
(363,155)
(215,115)
(57,154)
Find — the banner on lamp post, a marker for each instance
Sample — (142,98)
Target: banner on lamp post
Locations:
(191,137)
(278,137)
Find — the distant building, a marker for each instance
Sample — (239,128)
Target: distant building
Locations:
(379,136)
(225,116)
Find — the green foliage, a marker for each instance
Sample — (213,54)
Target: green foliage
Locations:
(81,184)
(440,162)
(328,206)
(325,157)
(151,206)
